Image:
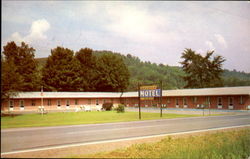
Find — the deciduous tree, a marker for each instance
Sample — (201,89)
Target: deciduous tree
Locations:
(113,74)
(10,79)
(22,58)
(87,69)
(60,72)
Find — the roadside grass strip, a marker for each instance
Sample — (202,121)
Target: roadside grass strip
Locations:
(219,145)
(76,118)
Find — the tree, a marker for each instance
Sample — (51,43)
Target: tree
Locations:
(61,71)
(202,71)
(87,69)
(23,62)
(10,79)
(113,74)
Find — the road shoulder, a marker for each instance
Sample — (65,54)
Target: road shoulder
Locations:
(105,146)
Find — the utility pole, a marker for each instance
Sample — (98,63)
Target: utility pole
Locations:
(139,99)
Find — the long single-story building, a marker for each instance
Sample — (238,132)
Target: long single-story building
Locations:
(237,98)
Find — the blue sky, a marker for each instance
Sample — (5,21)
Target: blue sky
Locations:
(153,31)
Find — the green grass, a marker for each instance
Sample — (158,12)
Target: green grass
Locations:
(74,118)
(232,144)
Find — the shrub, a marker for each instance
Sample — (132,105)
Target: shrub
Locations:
(120,108)
(107,106)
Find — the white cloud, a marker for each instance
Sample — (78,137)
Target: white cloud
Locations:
(16,37)
(37,32)
(38,29)
(221,40)
(135,23)
(210,45)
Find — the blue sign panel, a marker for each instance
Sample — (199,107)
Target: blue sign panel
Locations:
(150,93)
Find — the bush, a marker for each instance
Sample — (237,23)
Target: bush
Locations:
(107,106)
(120,108)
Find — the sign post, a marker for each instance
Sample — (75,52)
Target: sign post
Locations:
(42,100)
(148,92)
(161,97)
(139,98)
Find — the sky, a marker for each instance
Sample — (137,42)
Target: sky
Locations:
(156,31)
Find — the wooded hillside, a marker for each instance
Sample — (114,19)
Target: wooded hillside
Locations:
(147,72)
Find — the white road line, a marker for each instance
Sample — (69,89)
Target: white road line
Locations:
(114,123)
(128,128)
(119,140)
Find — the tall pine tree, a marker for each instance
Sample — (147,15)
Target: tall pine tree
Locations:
(202,71)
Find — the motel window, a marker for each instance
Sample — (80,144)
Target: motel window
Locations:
(58,103)
(230,100)
(195,99)
(89,101)
(176,101)
(241,99)
(76,101)
(97,102)
(33,102)
(49,102)
(21,103)
(168,100)
(125,101)
(184,101)
(67,102)
(208,100)
(11,103)
(219,101)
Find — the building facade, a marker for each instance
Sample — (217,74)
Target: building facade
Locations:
(234,98)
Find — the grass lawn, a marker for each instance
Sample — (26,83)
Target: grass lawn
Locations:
(74,118)
(232,144)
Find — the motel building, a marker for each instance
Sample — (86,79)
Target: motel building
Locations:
(224,98)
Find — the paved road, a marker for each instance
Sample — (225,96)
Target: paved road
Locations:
(32,138)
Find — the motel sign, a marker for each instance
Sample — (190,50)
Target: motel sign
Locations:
(149,92)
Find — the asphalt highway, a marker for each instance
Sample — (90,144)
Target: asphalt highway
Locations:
(16,139)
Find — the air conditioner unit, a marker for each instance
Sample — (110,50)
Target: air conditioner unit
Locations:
(230,107)
(219,106)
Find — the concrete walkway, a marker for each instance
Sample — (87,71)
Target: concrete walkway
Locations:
(188,111)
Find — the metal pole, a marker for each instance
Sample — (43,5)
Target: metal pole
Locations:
(139,98)
(161,97)
(209,108)
(42,100)
(203,109)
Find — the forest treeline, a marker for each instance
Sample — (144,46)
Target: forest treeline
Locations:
(105,71)
(63,70)
(172,76)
